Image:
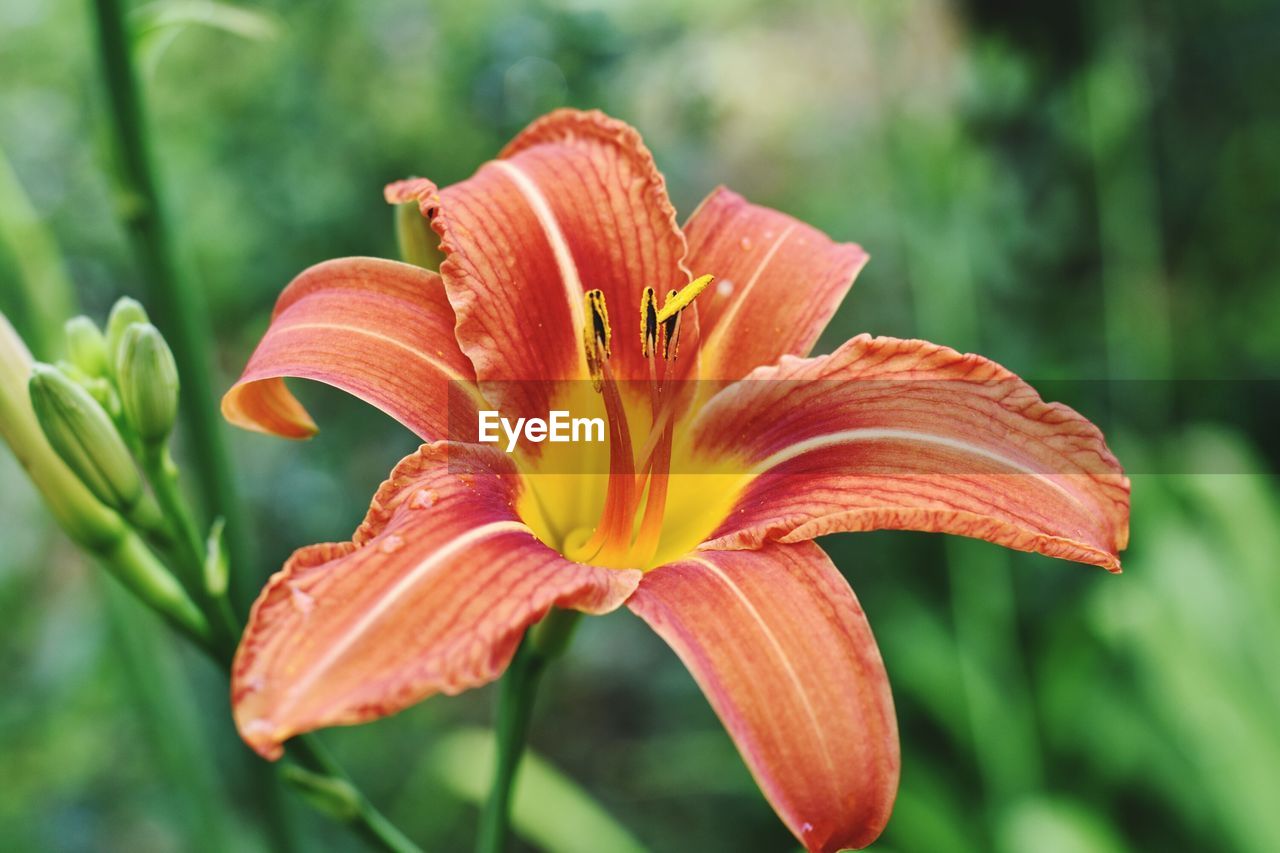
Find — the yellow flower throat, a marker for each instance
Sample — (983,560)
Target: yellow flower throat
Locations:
(639,514)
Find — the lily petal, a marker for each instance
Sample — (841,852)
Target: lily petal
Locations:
(432,596)
(779,281)
(781,648)
(378,329)
(887,433)
(575,202)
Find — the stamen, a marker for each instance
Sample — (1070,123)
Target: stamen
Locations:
(612,541)
(656,454)
(678,301)
(596,337)
(612,535)
(655,504)
(661,420)
(598,311)
(648,322)
(670,329)
(594,364)
(621,495)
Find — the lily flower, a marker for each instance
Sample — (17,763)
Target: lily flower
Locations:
(567,283)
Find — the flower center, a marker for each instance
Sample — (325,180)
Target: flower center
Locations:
(637,521)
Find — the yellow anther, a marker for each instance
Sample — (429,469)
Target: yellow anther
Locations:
(596,336)
(648,322)
(679,300)
(671,327)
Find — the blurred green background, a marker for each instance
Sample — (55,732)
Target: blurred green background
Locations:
(1081,191)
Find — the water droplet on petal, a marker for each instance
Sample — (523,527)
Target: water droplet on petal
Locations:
(745,243)
(423,498)
(724,287)
(301,601)
(252,684)
(257,727)
(390,544)
(806,828)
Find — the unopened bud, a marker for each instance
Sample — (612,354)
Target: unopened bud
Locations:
(216,570)
(100,388)
(148,379)
(86,346)
(333,796)
(123,314)
(78,512)
(418,243)
(81,432)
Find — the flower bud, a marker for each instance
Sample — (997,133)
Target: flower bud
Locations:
(418,244)
(81,432)
(216,570)
(335,797)
(123,314)
(99,387)
(148,379)
(86,346)
(79,513)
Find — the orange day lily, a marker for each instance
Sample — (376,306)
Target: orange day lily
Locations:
(567,283)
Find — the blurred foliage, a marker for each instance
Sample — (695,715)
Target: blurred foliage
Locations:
(1076,190)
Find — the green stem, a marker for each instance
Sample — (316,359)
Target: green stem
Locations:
(163,476)
(364,818)
(178,305)
(517,692)
(515,709)
(138,569)
(148,519)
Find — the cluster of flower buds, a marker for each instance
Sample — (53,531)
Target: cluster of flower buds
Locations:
(107,412)
(64,426)
(115,395)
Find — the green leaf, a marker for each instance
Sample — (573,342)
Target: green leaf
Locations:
(156,25)
(1050,826)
